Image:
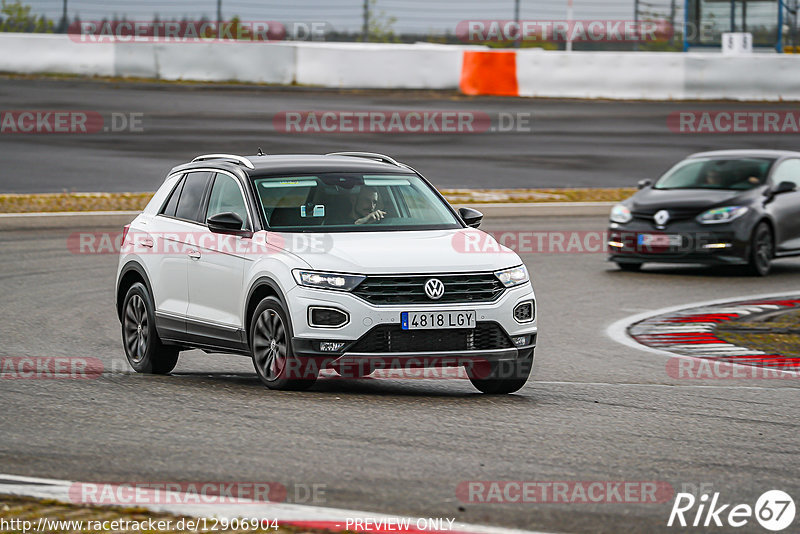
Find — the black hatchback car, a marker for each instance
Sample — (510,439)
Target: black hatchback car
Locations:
(731,207)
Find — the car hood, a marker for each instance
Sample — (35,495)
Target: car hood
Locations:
(650,200)
(426,251)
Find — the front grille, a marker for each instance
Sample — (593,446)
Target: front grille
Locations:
(467,287)
(392,338)
(675,214)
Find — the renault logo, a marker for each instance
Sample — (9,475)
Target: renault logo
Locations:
(661,217)
(434,288)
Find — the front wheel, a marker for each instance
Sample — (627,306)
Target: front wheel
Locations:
(143,348)
(270,342)
(629,267)
(761,250)
(502,377)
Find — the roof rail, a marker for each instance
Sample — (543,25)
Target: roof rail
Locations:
(229,157)
(369,155)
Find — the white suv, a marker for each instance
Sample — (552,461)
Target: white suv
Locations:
(347,261)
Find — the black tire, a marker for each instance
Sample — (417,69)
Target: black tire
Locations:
(502,378)
(270,344)
(630,267)
(762,250)
(143,348)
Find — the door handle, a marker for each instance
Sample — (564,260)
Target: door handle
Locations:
(147,243)
(194,254)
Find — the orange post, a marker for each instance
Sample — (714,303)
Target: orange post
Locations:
(489,73)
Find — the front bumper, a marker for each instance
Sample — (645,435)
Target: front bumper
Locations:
(723,244)
(365,318)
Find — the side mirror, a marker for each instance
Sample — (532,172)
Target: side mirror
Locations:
(225,223)
(471,217)
(784,187)
(644,183)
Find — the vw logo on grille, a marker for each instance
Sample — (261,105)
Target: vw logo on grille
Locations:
(661,217)
(434,288)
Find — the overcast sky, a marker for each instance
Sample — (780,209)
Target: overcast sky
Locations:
(412,15)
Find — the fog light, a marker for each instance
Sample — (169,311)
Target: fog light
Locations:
(717,245)
(320,317)
(331,346)
(524,311)
(520,341)
(616,244)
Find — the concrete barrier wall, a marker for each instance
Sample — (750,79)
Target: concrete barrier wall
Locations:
(383,66)
(37,53)
(531,73)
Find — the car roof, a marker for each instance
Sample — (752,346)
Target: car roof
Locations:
(288,164)
(746,153)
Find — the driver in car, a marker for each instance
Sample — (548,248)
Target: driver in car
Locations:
(365,208)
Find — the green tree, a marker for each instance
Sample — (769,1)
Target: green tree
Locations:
(16,17)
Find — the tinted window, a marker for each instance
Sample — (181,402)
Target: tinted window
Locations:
(348,202)
(226,197)
(788,171)
(192,194)
(172,202)
(707,173)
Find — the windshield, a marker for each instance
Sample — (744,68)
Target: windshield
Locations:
(351,202)
(706,173)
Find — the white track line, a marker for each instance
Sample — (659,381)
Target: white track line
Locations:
(59,490)
(618,330)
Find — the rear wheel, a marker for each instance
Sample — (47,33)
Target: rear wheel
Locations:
(143,348)
(761,250)
(502,377)
(630,267)
(270,342)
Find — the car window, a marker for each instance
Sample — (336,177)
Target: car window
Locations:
(226,197)
(191,196)
(172,203)
(343,202)
(716,173)
(788,171)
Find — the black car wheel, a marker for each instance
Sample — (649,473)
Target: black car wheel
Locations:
(270,342)
(502,377)
(761,250)
(630,267)
(143,348)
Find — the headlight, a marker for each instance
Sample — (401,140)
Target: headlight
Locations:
(513,276)
(342,282)
(721,215)
(620,214)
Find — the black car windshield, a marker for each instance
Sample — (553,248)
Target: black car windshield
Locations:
(351,202)
(710,173)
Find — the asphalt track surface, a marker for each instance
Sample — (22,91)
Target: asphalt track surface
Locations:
(566,144)
(593,410)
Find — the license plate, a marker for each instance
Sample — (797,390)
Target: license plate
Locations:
(660,240)
(442,319)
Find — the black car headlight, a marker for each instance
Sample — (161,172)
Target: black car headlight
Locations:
(722,215)
(320,280)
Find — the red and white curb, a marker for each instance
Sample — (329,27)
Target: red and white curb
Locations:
(690,331)
(286,514)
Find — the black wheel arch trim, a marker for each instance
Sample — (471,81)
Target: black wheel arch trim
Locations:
(136,267)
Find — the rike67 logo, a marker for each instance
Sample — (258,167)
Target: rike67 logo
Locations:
(774,510)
